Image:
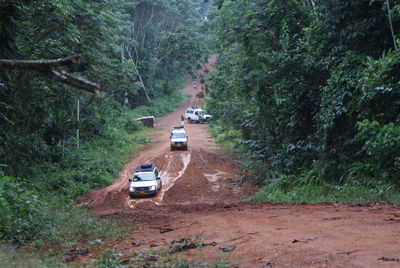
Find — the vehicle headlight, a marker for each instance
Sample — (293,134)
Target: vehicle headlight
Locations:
(152,188)
(132,189)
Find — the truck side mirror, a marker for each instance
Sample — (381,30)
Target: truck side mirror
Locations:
(130,179)
(158,178)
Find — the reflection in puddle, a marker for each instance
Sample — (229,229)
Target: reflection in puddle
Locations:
(213,179)
(167,180)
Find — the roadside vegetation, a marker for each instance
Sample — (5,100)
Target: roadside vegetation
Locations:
(307,92)
(58,142)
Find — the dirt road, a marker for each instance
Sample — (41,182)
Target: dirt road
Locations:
(202,195)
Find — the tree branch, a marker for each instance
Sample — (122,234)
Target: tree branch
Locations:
(38,65)
(79,83)
(46,67)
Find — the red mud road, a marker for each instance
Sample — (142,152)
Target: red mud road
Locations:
(202,195)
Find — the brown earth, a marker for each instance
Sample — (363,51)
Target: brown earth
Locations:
(202,195)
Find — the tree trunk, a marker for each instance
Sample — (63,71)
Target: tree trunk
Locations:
(391,25)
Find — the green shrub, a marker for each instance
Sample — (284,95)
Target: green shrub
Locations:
(226,135)
(379,157)
(287,189)
(20,217)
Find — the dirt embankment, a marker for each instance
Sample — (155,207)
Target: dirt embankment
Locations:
(202,196)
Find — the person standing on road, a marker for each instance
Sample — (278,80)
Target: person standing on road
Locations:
(182,120)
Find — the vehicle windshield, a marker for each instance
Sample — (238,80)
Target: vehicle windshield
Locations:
(200,112)
(178,135)
(144,177)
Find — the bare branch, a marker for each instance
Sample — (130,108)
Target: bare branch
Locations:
(75,82)
(37,65)
(46,67)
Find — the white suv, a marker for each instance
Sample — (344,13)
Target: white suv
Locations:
(178,138)
(196,114)
(146,181)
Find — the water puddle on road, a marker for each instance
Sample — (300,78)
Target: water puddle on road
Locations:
(168,180)
(213,179)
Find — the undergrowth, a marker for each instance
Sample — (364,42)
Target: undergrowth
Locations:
(226,135)
(288,190)
(357,186)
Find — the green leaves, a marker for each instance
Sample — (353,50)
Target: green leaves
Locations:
(305,75)
(20,218)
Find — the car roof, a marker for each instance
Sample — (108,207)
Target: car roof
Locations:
(194,108)
(178,131)
(178,127)
(145,168)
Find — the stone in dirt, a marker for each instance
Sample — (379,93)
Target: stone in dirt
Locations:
(136,244)
(75,253)
(389,259)
(182,244)
(267,265)
(227,248)
(164,230)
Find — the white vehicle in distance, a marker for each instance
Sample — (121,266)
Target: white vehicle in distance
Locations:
(178,138)
(196,114)
(145,181)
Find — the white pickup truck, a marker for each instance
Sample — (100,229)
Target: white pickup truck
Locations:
(196,114)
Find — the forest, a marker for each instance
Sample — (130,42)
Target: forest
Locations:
(58,141)
(306,94)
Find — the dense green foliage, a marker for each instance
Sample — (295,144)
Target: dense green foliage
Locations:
(311,91)
(138,51)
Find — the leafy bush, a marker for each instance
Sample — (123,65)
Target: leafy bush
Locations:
(226,135)
(380,151)
(20,217)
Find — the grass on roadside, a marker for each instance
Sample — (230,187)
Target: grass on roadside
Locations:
(158,257)
(12,258)
(307,187)
(280,191)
